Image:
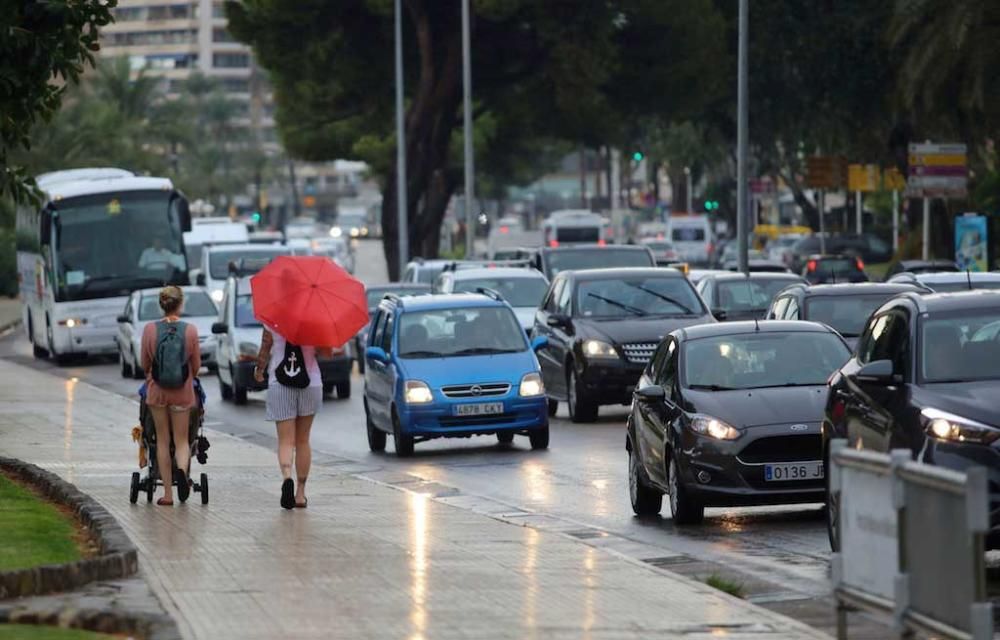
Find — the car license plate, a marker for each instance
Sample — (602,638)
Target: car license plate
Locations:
(793,471)
(479,409)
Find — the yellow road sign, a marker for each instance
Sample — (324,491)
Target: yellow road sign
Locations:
(937,160)
(893,180)
(862,177)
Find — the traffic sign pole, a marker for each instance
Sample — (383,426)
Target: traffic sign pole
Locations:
(927,228)
(895,221)
(822,212)
(857,209)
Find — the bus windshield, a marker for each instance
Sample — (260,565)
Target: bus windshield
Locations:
(111,244)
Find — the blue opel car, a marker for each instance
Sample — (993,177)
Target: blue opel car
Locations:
(451,366)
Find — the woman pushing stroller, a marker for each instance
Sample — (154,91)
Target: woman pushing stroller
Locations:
(171,358)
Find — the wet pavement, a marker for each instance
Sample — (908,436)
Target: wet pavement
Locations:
(780,554)
(369,558)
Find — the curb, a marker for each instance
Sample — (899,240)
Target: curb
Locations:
(146,626)
(118,556)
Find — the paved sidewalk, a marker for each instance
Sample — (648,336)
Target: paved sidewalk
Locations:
(10,312)
(364,561)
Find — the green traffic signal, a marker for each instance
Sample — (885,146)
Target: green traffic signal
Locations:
(256,216)
(711,205)
(637,156)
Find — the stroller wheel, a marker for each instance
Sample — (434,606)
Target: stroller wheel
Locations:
(204,488)
(150,488)
(133,492)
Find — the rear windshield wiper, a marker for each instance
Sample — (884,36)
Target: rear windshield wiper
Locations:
(621,305)
(711,387)
(661,296)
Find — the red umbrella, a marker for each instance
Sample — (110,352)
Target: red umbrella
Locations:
(310,300)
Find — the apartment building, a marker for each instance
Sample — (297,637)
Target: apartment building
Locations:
(172,39)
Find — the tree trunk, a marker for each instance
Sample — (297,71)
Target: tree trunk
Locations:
(678,188)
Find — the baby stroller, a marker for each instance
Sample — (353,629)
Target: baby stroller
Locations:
(145,434)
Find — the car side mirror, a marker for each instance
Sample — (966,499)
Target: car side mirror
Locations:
(199,279)
(219,328)
(651,394)
(720,314)
(877,372)
(377,354)
(539,342)
(557,320)
(122,318)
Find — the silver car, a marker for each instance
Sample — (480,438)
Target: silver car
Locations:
(143,307)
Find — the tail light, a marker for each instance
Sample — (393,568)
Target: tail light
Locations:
(602,243)
(838,410)
(553,243)
(504,229)
(711,248)
(811,265)
(860,263)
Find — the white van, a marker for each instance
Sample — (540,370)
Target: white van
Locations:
(574,226)
(206,232)
(691,236)
(217,258)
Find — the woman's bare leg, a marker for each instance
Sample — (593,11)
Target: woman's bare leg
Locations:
(286,446)
(161,419)
(180,421)
(303,455)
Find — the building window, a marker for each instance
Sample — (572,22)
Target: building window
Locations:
(140,38)
(155,12)
(236,85)
(231,60)
(220,34)
(218,10)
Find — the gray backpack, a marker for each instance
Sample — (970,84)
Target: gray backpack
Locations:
(170,361)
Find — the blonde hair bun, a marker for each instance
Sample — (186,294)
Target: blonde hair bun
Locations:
(171,298)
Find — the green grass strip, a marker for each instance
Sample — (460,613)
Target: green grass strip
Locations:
(41,632)
(35,532)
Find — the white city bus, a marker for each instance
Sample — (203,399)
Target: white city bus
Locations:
(98,235)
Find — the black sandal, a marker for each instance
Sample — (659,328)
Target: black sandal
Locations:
(288,494)
(183,488)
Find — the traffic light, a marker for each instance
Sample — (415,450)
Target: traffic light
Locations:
(637,156)
(711,205)
(255,216)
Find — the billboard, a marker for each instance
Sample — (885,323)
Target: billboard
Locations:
(971,242)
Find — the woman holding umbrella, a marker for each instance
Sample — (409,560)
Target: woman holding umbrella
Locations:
(307,304)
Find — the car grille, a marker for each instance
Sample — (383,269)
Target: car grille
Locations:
(783,449)
(639,352)
(486,390)
(473,421)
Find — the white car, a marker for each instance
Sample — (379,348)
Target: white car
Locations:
(337,249)
(143,307)
(522,288)
(215,263)
(238,335)
(423,271)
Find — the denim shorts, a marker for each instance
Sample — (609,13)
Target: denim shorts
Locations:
(286,403)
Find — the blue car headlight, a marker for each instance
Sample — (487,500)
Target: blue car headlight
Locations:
(417,392)
(531,386)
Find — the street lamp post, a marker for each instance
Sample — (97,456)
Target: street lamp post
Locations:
(401,220)
(687,177)
(741,142)
(470,216)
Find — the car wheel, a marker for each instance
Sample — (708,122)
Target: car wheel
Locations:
(579,410)
(505,437)
(327,389)
(404,443)
(126,371)
(225,390)
(832,516)
(204,488)
(553,407)
(376,437)
(133,491)
(683,508)
(539,438)
(344,390)
(645,501)
(137,371)
(239,393)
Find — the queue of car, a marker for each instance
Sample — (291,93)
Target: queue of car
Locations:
(737,412)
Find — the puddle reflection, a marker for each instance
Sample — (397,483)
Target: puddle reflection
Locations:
(418,564)
(68,427)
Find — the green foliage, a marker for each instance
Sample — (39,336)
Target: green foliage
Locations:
(44,632)
(726,585)
(42,41)
(35,532)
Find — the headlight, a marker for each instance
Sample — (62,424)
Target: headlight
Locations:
(713,428)
(531,386)
(69,323)
(417,392)
(248,350)
(217,295)
(354,232)
(598,349)
(336,232)
(364,231)
(948,426)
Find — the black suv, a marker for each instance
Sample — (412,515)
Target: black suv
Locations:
(602,327)
(844,307)
(925,377)
(554,260)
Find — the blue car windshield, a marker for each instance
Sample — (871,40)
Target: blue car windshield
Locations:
(460,332)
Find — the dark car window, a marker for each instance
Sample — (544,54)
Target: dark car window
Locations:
(598,258)
(518,292)
(244,312)
(379,327)
(218,261)
(667,375)
(386,342)
(846,314)
(962,346)
(891,341)
(779,307)
(637,296)
(460,332)
(656,362)
(766,359)
(792,312)
(565,299)
(745,295)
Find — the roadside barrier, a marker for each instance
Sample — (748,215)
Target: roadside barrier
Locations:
(911,543)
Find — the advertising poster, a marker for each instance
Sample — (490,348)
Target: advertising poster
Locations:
(971,243)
